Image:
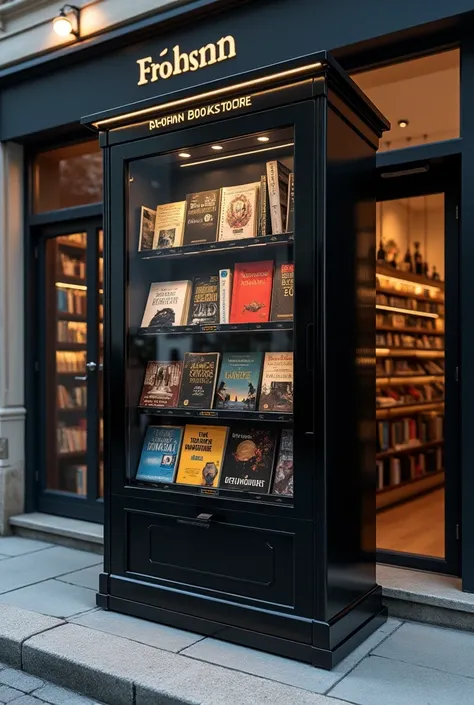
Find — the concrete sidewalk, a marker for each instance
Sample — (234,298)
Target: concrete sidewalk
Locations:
(51,629)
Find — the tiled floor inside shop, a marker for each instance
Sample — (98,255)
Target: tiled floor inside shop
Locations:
(402,664)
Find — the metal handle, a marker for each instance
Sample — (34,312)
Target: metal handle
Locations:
(91,366)
(202,520)
(81,379)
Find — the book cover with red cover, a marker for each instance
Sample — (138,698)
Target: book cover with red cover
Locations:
(251,292)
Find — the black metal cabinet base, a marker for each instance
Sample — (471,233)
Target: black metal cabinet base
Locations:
(283,635)
(214,546)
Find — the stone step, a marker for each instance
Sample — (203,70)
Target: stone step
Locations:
(73,533)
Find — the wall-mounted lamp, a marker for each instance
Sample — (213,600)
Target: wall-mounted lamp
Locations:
(403,123)
(68,21)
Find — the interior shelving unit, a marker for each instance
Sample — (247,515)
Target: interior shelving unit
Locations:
(410,385)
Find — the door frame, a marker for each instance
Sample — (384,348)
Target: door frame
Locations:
(430,176)
(40,228)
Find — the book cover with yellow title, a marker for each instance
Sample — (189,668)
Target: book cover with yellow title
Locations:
(201,455)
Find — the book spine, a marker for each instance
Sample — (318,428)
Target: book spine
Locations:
(225,289)
(291,204)
(274,197)
(262,230)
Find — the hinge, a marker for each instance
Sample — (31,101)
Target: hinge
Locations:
(457,212)
(456,374)
(458,532)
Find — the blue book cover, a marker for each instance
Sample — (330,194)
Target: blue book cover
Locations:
(160,454)
(239,379)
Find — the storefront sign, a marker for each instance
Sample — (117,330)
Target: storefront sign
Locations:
(178,62)
(186,116)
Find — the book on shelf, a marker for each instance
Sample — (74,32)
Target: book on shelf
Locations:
(167,304)
(276,393)
(249,458)
(201,455)
(202,217)
(199,380)
(283,479)
(161,384)
(204,308)
(71,439)
(239,380)
(282,295)
(72,266)
(71,301)
(251,292)
(71,397)
(278,178)
(147,229)
(239,212)
(264,226)
(160,453)
(69,361)
(290,212)
(225,294)
(169,225)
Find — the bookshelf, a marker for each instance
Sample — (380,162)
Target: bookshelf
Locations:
(409,385)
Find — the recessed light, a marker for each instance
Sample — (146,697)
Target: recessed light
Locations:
(403,123)
(217,147)
(263,139)
(184,155)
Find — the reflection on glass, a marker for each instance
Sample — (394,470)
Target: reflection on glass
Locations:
(68,176)
(100,390)
(66,342)
(410,327)
(210,311)
(419,97)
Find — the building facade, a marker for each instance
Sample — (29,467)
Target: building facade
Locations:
(415,57)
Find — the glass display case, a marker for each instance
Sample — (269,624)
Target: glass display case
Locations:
(234,497)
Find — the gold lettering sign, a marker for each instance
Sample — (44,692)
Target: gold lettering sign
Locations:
(181,62)
(225,106)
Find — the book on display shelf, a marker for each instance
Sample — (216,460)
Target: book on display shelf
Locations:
(282,296)
(198,380)
(239,212)
(238,381)
(276,393)
(169,225)
(161,384)
(249,459)
(290,214)
(202,217)
(251,292)
(167,304)
(283,479)
(147,229)
(204,308)
(160,453)
(225,294)
(201,455)
(278,179)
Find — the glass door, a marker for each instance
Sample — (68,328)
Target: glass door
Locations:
(211,298)
(70,326)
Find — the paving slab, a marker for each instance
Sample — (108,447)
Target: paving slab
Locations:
(199,683)
(377,680)
(35,567)
(433,647)
(87,577)
(17,625)
(8,694)
(60,696)
(53,598)
(19,680)
(17,546)
(157,635)
(27,700)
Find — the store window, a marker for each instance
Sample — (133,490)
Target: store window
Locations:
(420,97)
(67,177)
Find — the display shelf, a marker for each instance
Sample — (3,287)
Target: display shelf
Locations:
(213,247)
(409,277)
(437,300)
(66,243)
(388,496)
(72,282)
(274,416)
(409,311)
(415,331)
(67,316)
(409,379)
(409,450)
(71,454)
(217,328)
(209,492)
(72,409)
(424,354)
(408,409)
